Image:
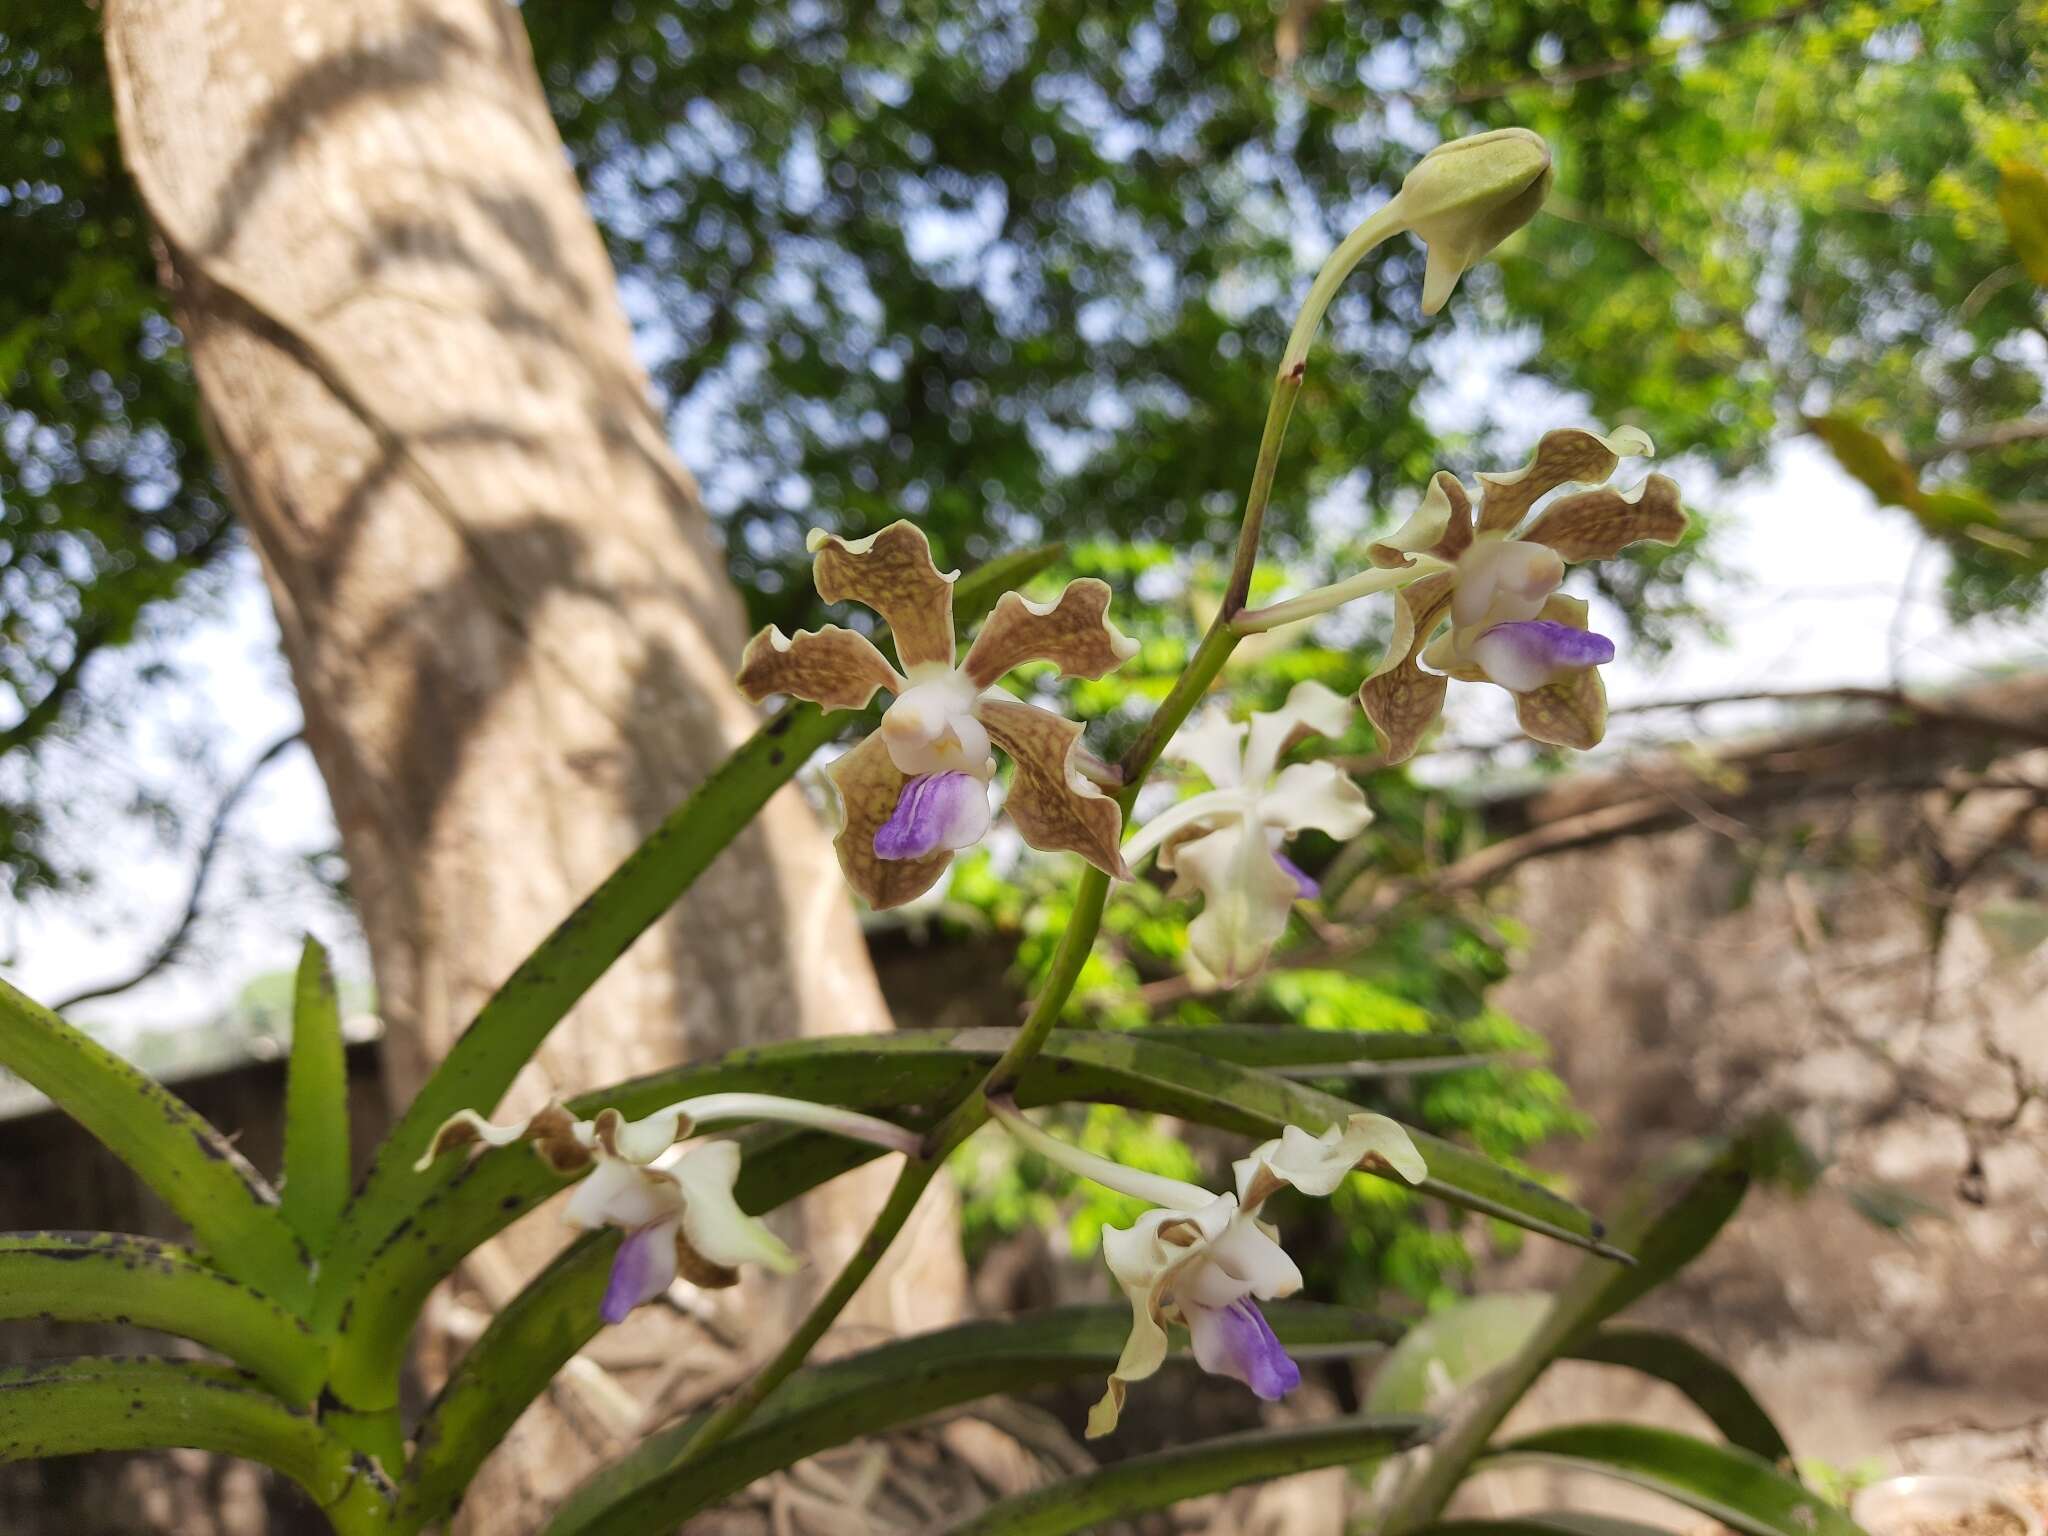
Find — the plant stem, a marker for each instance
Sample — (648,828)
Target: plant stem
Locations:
(1388,220)
(1256,621)
(735,1410)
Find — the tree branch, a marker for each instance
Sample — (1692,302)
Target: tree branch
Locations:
(173,943)
(2003,434)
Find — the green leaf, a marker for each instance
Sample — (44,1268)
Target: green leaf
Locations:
(512,1024)
(921,1069)
(64,1408)
(1453,1347)
(1714,1389)
(1674,1213)
(1274,1046)
(1189,1471)
(654,1487)
(104,1277)
(508,1366)
(315,1106)
(1729,1485)
(1869,459)
(1549,1522)
(2023,204)
(177,1153)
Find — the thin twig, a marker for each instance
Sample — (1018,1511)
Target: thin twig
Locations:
(173,943)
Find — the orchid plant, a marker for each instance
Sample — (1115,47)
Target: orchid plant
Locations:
(313,1289)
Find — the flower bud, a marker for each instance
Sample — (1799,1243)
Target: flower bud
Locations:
(1465,197)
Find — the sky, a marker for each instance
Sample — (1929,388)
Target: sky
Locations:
(1818,587)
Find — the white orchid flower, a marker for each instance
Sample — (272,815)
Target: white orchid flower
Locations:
(1227,843)
(676,1207)
(1205,1260)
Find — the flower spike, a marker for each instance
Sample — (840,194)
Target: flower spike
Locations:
(917,790)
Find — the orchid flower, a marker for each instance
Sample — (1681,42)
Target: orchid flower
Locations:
(1205,1260)
(676,1208)
(916,791)
(1498,587)
(1226,843)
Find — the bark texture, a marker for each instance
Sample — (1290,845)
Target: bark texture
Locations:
(505,611)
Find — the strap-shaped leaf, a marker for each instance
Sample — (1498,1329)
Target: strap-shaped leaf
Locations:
(105,1277)
(1188,1471)
(885,1074)
(232,1213)
(1549,1522)
(547,984)
(65,1407)
(654,1486)
(510,1365)
(1714,1389)
(1674,1214)
(315,1106)
(1732,1486)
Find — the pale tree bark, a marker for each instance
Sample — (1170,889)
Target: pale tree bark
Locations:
(505,611)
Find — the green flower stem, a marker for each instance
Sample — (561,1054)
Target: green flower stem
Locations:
(1389,220)
(1256,621)
(737,1409)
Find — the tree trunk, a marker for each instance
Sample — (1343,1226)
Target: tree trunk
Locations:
(505,611)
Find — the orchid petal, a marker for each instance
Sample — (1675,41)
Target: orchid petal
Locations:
(1523,656)
(1073,632)
(1246,899)
(1244,1260)
(1213,743)
(931,728)
(1054,808)
(1237,1341)
(1316,1165)
(713,1225)
(1213,807)
(870,787)
(620,1194)
(892,572)
(1595,525)
(1311,710)
(1146,1264)
(1572,710)
(643,1268)
(1441,526)
(1400,699)
(1569,713)
(937,812)
(1501,580)
(1316,795)
(1566,455)
(833,668)
(559,1139)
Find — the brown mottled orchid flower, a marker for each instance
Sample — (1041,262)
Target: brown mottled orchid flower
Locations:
(1509,625)
(916,791)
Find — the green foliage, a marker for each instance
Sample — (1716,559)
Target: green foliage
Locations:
(1803,220)
(107,496)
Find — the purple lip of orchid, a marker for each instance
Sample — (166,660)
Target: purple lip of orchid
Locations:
(936,810)
(1558,644)
(1251,1352)
(1304,882)
(633,1273)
